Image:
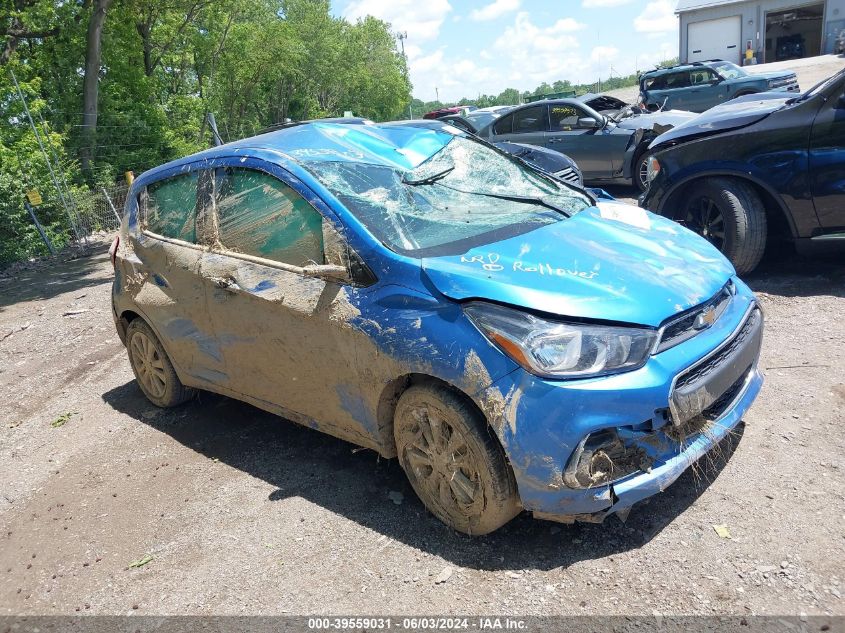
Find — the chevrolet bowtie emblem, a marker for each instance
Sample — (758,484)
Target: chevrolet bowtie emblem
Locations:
(705,319)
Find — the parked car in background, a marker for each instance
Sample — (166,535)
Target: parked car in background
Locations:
(476,120)
(758,167)
(699,86)
(608,148)
(514,342)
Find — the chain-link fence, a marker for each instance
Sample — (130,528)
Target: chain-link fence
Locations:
(100,210)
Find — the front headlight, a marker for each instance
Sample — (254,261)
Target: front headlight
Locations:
(653,168)
(554,349)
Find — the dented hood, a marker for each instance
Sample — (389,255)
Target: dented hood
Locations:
(740,112)
(613,262)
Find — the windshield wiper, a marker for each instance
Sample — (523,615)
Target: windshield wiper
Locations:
(429,179)
(523,199)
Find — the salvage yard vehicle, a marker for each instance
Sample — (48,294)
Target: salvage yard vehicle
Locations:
(698,86)
(514,342)
(608,148)
(759,167)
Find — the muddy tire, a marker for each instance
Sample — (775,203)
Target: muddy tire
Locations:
(153,369)
(452,460)
(639,172)
(730,215)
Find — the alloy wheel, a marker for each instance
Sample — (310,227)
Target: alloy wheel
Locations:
(148,365)
(705,218)
(443,466)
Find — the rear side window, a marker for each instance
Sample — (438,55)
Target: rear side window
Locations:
(170,207)
(504,125)
(260,215)
(677,80)
(529,120)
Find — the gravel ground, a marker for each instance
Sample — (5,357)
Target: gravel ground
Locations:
(110,506)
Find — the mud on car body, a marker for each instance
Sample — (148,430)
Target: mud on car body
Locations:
(514,342)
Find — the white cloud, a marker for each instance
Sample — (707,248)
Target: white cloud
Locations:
(422,20)
(657,17)
(494,10)
(604,54)
(599,4)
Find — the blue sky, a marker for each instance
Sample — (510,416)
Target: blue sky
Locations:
(469,47)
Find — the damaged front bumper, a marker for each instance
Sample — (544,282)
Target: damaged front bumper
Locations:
(649,429)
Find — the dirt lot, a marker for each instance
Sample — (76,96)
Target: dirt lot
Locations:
(242,512)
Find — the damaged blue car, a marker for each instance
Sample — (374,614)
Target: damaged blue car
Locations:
(516,343)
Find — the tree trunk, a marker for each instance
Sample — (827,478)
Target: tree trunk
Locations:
(90,85)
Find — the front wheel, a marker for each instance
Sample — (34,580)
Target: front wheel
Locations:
(452,460)
(730,215)
(639,174)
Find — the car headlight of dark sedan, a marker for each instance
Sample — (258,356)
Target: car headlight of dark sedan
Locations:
(653,168)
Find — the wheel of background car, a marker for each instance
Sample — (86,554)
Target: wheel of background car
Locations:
(452,460)
(640,172)
(731,216)
(153,369)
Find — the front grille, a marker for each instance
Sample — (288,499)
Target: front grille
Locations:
(779,83)
(715,410)
(682,326)
(570,176)
(702,370)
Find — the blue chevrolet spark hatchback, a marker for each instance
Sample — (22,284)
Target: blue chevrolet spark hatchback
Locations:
(514,342)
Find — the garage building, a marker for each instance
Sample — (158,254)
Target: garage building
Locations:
(775,30)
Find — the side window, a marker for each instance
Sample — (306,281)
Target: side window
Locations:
(655,83)
(677,80)
(703,76)
(260,215)
(529,120)
(170,207)
(564,118)
(504,125)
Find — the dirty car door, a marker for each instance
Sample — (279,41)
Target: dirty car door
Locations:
(163,273)
(284,335)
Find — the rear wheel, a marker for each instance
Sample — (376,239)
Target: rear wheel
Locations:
(153,369)
(454,464)
(730,215)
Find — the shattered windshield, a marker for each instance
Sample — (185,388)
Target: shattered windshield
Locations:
(465,195)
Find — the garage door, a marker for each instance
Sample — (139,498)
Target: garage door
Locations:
(715,39)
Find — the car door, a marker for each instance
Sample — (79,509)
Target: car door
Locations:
(827,161)
(590,148)
(677,91)
(525,125)
(165,279)
(283,333)
(703,92)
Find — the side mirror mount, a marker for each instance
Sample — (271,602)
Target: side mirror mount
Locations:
(840,104)
(587,123)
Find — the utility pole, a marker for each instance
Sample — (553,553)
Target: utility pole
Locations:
(402,37)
